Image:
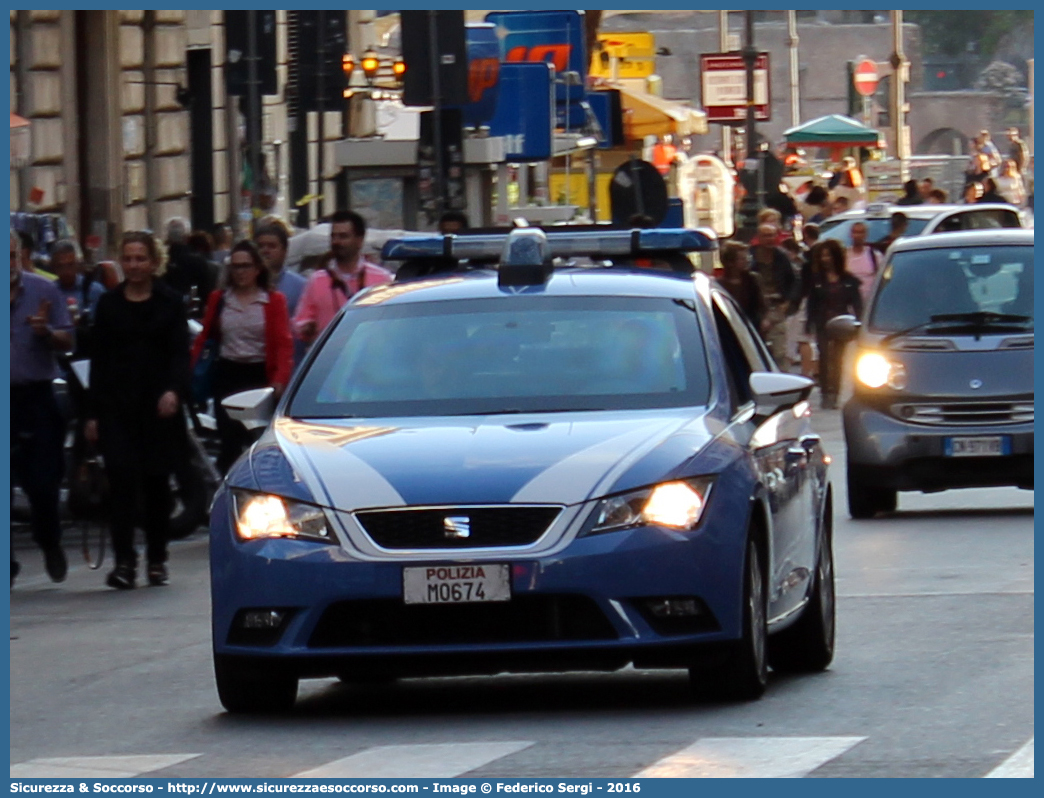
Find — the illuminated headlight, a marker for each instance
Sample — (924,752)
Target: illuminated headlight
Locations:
(874,370)
(678,505)
(262,515)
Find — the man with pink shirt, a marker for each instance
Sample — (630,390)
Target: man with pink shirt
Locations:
(862,260)
(330,288)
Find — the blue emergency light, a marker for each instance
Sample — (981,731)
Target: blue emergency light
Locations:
(558,244)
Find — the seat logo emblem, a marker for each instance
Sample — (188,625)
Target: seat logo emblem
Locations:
(456,527)
(975,384)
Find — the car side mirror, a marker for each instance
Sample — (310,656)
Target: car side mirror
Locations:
(774,390)
(843,328)
(253,409)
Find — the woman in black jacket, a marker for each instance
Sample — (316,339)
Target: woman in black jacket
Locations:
(832,291)
(139,374)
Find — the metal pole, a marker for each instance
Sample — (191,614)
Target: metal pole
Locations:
(723,45)
(900,68)
(232,159)
(254,113)
(436,113)
(751,202)
(795,76)
(750,57)
(320,87)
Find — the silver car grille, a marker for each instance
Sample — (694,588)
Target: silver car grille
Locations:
(966,413)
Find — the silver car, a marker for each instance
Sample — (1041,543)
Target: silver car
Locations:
(943,389)
(923,220)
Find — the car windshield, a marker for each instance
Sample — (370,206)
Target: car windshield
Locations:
(876,229)
(919,284)
(512,355)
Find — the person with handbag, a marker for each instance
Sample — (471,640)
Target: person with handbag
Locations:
(346,274)
(245,343)
(139,380)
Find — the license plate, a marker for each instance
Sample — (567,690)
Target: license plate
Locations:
(977,446)
(456,584)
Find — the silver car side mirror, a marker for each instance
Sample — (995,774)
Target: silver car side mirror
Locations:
(843,328)
(253,409)
(774,390)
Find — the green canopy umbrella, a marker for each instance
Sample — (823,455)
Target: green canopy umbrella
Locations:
(834,131)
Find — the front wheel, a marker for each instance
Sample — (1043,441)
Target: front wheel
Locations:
(744,674)
(249,690)
(866,501)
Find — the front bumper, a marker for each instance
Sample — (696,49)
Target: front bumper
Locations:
(579,608)
(891,453)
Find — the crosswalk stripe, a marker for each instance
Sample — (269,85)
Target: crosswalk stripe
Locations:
(434,760)
(750,757)
(1017,766)
(112,767)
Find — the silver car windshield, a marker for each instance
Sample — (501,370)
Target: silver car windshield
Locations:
(919,284)
(519,354)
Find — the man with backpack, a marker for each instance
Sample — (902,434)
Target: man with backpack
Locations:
(345,274)
(863,261)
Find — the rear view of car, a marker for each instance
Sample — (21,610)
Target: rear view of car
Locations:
(943,389)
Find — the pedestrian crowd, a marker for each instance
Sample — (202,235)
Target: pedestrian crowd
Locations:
(130,319)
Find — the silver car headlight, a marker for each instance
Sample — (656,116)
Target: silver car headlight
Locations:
(676,505)
(263,515)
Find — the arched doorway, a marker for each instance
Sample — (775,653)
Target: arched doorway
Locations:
(943,141)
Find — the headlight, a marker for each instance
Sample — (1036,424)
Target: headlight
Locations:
(261,515)
(678,505)
(874,370)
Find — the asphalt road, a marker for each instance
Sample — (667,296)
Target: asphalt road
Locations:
(933,678)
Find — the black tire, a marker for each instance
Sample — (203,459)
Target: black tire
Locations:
(743,676)
(252,691)
(866,501)
(807,646)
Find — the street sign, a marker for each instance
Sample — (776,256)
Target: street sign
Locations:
(723,81)
(529,135)
(864,76)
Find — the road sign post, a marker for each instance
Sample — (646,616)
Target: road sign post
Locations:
(865,79)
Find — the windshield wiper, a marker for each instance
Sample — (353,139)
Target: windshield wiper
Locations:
(515,411)
(976,319)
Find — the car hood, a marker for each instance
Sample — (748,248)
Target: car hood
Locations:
(971,374)
(561,458)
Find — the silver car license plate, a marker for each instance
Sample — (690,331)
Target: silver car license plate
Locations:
(976,446)
(456,584)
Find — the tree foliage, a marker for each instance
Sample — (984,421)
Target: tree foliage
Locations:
(953,33)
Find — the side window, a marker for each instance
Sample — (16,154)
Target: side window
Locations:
(737,368)
(757,357)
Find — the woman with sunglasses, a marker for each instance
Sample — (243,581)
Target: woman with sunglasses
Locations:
(251,327)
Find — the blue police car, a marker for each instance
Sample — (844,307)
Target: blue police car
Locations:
(568,452)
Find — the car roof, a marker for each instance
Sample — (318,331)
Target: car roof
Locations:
(967,238)
(923,211)
(569,281)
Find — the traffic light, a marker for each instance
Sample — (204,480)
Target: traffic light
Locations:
(317,42)
(237,48)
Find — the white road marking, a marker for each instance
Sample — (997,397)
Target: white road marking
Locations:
(437,760)
(111,767)
(1017,766)
(750,757)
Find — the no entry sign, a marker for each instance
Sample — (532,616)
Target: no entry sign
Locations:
(865,77)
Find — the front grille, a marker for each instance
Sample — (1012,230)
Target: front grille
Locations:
(486,527)
(524,619)
(966,413)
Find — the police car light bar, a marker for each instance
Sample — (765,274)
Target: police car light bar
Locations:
(560,244)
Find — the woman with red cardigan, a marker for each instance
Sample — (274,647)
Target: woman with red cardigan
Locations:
(251,324)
